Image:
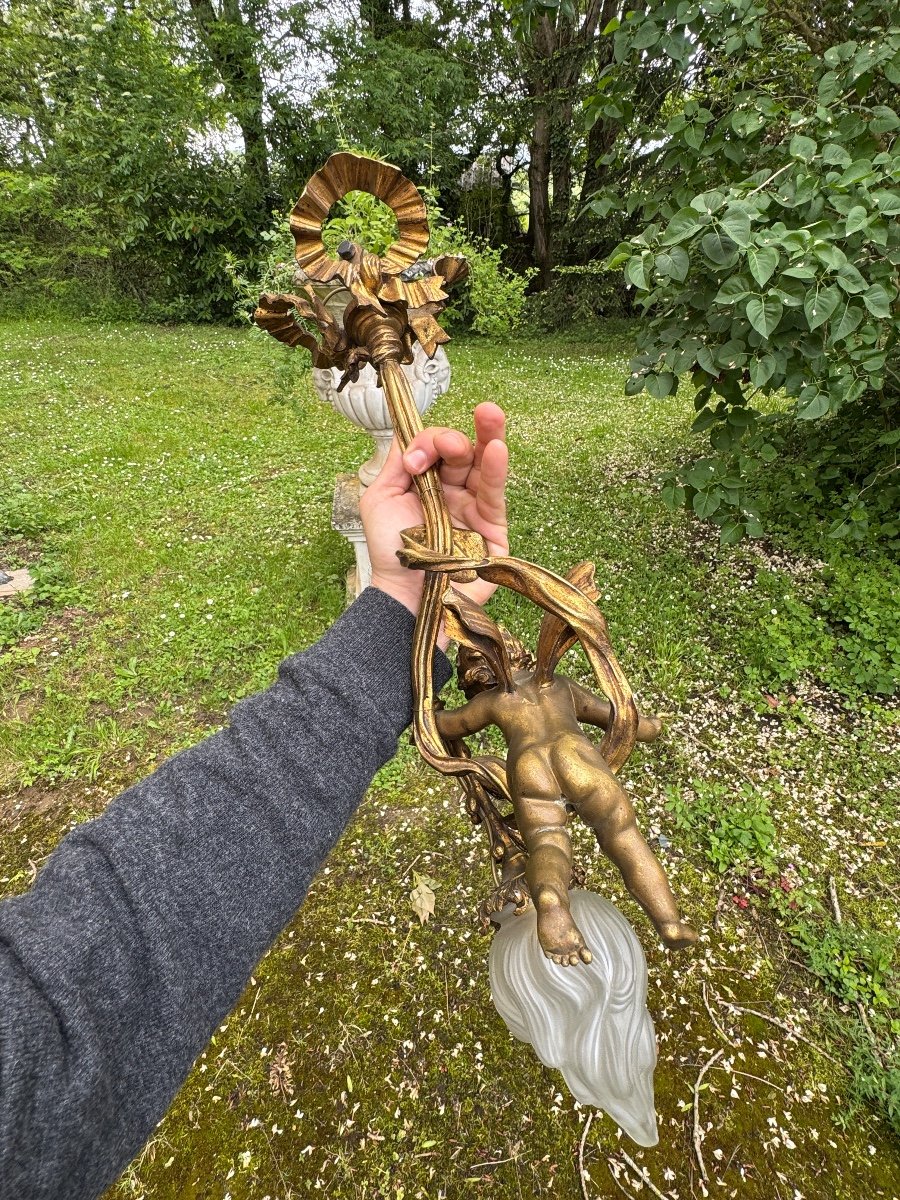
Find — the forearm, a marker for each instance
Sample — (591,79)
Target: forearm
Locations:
(142,929)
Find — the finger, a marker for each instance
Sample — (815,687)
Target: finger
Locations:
(458,455)
(490,425)
(448,448)
(393,478)
(422,452)
(490,497)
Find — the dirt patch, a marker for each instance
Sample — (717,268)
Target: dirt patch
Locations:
(69,625)
(34,801)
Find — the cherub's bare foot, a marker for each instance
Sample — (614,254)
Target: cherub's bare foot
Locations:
(677,935)
(558,934)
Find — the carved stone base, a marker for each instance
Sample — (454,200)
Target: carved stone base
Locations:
(346,520)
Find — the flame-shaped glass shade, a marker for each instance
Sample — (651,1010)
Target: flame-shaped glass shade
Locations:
(590,1021)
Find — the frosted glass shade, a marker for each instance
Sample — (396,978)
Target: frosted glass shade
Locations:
(589,1021)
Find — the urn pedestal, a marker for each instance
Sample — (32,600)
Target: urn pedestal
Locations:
(363,403)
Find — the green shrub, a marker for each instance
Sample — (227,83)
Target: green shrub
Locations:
(860,600)
(578,295)
(854,964)
(767,264)
(838,624)
(735,829)
(361,217)
(491,301)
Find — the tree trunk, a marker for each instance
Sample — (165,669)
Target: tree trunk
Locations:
(561,155)
(231,44)
(540,88)
(553,64)
(539,193)
(601,137)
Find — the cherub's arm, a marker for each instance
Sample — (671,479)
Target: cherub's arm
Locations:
(477,714)
(594,711)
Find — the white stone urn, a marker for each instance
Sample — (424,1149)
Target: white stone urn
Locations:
(363,402)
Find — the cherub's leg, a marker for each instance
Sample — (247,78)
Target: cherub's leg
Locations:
(541,817)
(647,882)
(548,873)
(605,807)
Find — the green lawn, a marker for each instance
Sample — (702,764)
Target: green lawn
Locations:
(178,523)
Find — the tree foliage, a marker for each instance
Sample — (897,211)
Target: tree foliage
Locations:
(767,261)
(104,187)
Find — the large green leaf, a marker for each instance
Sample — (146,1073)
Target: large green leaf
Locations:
(764,314)
(733,290)
(708,202)
(836,155)
(819,305)
(732,531)
(706,361)
(700,473)
(850,319)
(762,261)
(673,263)
(683,225)
(705,504)
(762,370)
(815,408)
(646,36)
(736,223)
(661,385)
(802,147)
(719,249)
(857,218)
(888,202)
(877,300)
(695,136)
(857,171)
(636,272)
(850,279)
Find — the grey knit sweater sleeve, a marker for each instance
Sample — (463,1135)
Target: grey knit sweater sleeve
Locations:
(145,924)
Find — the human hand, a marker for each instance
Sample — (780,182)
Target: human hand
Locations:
(474,481)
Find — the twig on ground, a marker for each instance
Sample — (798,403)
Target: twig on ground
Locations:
(718,1028)
(860,1007)
(833,897)
(752,1012)
(698,1133)
(887,887)
(410,867)
(587,1129)
(717,753)
(747,1075)
(731,1158)
(644,1175)
(612,1163)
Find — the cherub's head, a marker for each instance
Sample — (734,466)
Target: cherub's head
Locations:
(474,671)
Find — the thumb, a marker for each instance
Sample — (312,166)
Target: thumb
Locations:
(393,479)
